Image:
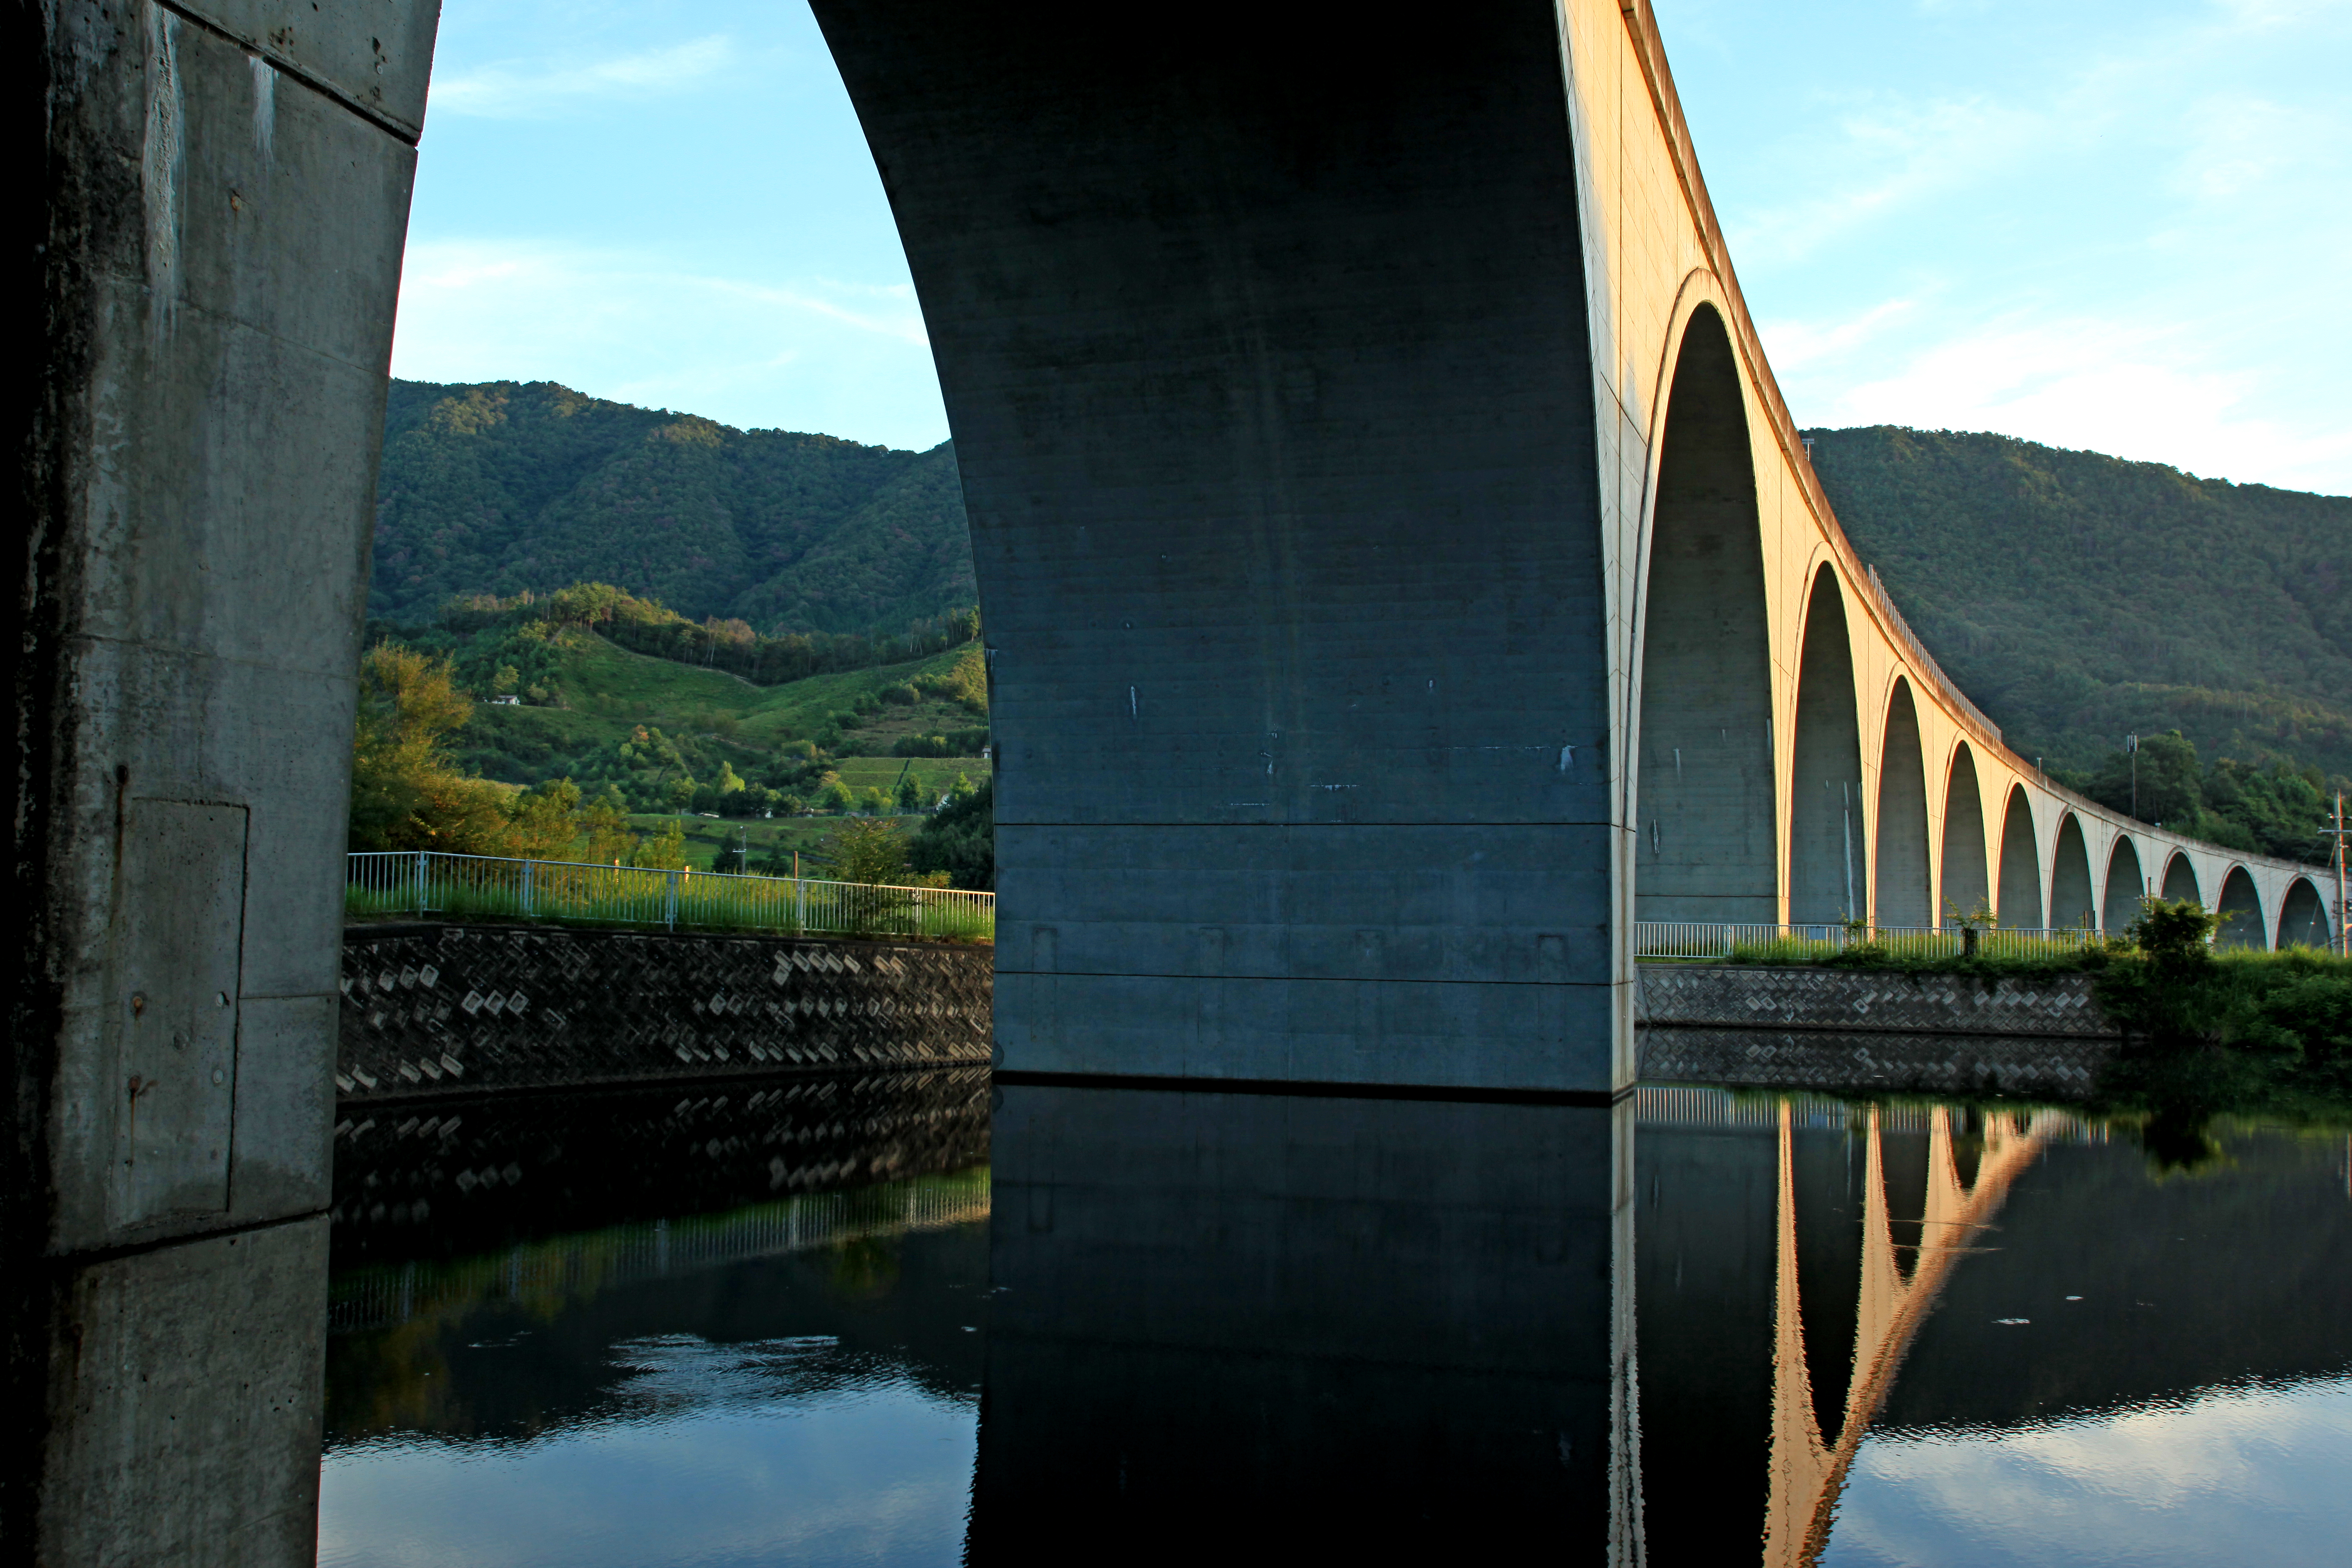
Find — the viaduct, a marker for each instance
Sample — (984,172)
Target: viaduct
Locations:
(1400,571)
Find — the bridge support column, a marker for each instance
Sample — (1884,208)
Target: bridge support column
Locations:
(214,269)
(1266,355)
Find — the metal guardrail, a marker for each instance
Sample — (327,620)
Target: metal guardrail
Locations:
(425,882)
(1700,939)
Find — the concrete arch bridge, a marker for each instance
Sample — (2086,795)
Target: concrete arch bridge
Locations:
(1402,573)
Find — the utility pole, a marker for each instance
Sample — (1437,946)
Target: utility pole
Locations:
(2131,750)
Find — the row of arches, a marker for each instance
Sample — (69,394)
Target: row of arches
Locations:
(1924,831)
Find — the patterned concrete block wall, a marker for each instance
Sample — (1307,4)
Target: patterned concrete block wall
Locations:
(443,1009)
(1754,997)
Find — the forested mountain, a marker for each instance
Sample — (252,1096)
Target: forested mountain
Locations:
(2075,597)
(505,487)
(2078,598)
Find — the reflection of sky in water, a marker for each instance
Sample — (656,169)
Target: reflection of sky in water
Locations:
(707,1455)
(2259,1475)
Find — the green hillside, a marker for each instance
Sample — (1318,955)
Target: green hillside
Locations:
(505,487)
(2078,598)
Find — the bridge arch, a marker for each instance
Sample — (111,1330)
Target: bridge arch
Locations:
(2126,886)
(2241,909)
(1828,855)
(1965,883)
(2021,865)
(2180,879)
(1903,876)
(1704,781)
(2069,878)
(2303,916)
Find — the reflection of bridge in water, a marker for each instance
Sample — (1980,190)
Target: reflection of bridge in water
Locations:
(1807,1464)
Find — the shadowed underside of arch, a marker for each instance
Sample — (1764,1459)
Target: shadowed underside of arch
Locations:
(1904,873)
(1966,886)
(1705,814)
(2021,865)
(2241,909)
(2303,916)
(1826,848)
(2180,880)
(2069,878)
(2126,886)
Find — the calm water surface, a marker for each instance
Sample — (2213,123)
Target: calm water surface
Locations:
(904,1319)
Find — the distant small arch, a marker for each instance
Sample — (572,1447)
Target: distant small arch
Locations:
(2303,916)
(2127,887)
(1965,884)
(2021,865)
(2241,909)
(2180,879)
(2069,878)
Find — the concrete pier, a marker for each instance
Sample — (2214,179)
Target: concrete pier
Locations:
(212,269)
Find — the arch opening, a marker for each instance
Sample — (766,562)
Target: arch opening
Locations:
(2126,886)
(1966,884)
(1903,876)
(2021,865)
(1828,854)
(2303,916)
(2241,909)
(1704,805)
(2180,880)
(2070,878)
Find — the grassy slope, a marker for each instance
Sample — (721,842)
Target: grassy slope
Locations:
(611,691)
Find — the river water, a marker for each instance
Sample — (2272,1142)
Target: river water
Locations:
(914,1320)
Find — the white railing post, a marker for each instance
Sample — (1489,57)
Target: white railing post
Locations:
(421,857)
(526,889)
(669,915)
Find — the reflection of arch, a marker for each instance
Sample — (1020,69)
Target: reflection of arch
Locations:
(1904,887)
(1827,853)
(2180,880)
(1705,779)
(2021,865)
(2069,878)
(1808,1464)
(2303,916)
(2242,912)
(1965,884)
(2126,886)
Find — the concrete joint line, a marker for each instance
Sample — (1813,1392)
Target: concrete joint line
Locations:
(96,1255)
(293,72)
(1298,979)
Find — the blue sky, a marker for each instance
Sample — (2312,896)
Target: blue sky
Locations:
(2102,224)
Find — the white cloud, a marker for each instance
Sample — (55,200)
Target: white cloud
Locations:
(806,355)
(2236,1475)
(524,91)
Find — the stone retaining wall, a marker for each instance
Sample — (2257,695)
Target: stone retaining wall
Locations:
(431,1009)
(2058,1067)
(1730,995)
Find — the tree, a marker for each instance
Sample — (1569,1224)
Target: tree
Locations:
(869,849)
(605,823)
(961,841)
(406,793)
(2169,789)
(910,793)
(873,802)
(544,821)
(663,851)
